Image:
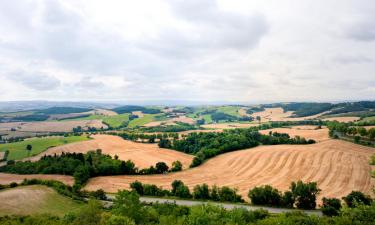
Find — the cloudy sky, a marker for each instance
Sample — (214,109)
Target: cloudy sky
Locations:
(195,50)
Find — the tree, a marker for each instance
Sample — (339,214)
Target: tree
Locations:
(118,220)
(81,175)
(127,204)
(137,187)
(305,194)
(29,148)
(176,166)
(331,206)
(161,167)
(179,189)
(259,119)
(287,199)
(201,192)
(357,197)
(89,215)
(265,195)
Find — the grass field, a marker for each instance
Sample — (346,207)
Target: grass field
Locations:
(113,121)
(147,118)
(370,118)
(231,110)
(207,118)
(17,150)
(35,199)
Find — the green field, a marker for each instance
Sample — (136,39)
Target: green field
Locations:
(36,199)
(230,110)
(371,118)
(17,150)
(113,121)
(143,120)
(207,118)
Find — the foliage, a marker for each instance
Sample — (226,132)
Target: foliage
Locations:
(305,194)
(132,108)
(62,110)
(357,197)
(265,195)
(331,206)
(209,144)
(176,166)
(306,109)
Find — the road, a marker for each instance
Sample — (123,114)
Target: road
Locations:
(224,205)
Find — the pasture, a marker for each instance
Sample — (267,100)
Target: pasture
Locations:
(17,150)
(35,199)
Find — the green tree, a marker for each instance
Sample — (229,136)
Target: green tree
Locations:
(357,197)
(81,175)
(161,167)
(331,206)
(137,187)
(265,195)
(127,204)
(176,166)
(201,192)
(305,194)
(89,215)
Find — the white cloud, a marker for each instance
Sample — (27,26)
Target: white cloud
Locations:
(198,50)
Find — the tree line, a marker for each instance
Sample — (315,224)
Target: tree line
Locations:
(179,189)
(210,144)
(83,166)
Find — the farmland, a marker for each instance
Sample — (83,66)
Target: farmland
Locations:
(17,150)
(324,162)
(36,199)
(143,155)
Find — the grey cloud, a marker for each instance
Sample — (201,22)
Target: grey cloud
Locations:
(347,59)
(35,80)
(363,30)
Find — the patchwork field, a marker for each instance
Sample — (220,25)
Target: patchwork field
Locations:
(278,114)
(338,166)
(308,132)
(7,178)
(35,199)
(17,150)
(51,126)
(229,125)
(342,119)
(171,121)
(143,155)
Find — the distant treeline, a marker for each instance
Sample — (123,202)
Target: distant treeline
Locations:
(132,108)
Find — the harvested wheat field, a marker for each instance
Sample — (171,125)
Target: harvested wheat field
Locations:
(51,126)
(143,155)
(278,114)
(344,119)
(229,125)
(35,199)
(338,166)
(7,178)
(308,132)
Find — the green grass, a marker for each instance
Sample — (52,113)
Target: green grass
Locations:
(207,118)
(17,150)
(143,120)
(113,121)
(117,120)
(231,110)
(371,118)
(36,199)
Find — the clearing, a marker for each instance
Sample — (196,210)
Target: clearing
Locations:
(143,155)
(35,199)
(338,166)
(17,150)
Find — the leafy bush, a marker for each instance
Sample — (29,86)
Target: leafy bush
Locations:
(331,206)
(265,195)
(305,194)
(357,197)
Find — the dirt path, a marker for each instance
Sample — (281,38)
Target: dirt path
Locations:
(338,166)
(143,155)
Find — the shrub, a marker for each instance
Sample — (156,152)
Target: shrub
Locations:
(13,184)
(161,167)
(287,199)
(331,206)
(137,187)
(357,197)
(265,195)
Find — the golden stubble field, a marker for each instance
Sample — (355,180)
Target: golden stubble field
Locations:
(143,155)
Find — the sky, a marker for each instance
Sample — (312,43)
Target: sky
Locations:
(196,50)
